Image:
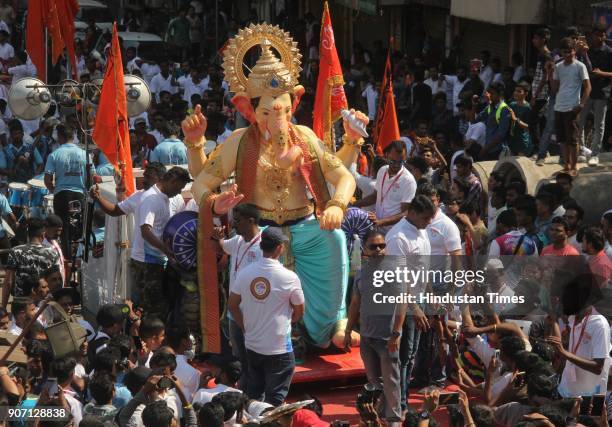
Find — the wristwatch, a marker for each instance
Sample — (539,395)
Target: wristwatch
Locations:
(396,334)
(424,415)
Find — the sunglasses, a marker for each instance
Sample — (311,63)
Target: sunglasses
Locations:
(375,246)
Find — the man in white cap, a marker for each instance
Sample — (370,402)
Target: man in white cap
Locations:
(265,300)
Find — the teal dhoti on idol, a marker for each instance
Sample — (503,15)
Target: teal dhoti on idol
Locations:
(320,259)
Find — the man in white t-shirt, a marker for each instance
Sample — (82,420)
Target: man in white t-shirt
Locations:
(395,188)
(436,82)
(371,95)
(191,85)
(179,338)
(455,86)
(408,239)
(243,250)
(444,240)
(6,50)
(572,87)
(587,358)
(151,176)
(149,253)
(149,70)
(225,380)
(267,298)
(164,81)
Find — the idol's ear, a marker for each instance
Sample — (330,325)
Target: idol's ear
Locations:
(298,91)
(242,102)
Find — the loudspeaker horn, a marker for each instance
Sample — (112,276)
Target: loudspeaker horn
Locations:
(138,95)
(29,99)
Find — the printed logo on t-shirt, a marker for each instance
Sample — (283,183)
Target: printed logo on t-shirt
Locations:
(260,288)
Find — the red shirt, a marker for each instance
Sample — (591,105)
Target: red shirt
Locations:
(307,418)
(601,266)
(566,250)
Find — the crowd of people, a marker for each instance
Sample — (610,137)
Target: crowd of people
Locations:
(141,365)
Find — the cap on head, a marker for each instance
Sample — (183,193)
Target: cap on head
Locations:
(272,237)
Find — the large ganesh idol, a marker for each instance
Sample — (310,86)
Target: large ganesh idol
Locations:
(286,171)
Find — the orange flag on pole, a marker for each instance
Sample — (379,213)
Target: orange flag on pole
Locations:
(67,10)
(111,133)
(386,129)
(55,32)
(35,36)
(330,99)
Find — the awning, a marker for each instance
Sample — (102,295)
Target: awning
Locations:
(365,6)
(500,12)
(603,5)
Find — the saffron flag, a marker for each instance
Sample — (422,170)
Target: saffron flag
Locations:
(330,99)
(386,129)
(53,27)
(35,36)
(57,16)
(67,10)
(111,133)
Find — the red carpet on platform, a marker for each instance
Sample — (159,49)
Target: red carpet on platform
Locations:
(329,367)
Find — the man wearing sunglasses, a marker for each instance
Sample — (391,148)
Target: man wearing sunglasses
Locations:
(395,188)
(380,336)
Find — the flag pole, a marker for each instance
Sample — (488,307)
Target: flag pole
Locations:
(46,55)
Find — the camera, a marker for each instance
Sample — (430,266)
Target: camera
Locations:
(369,395)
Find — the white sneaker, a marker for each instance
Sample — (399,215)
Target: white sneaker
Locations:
(593,161)
(581,159)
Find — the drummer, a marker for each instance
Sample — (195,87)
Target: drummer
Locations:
(23,159)
(65,176)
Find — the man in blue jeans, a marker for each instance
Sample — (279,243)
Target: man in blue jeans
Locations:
(243,249)
(408,240)
(265,300)
(600,71)
(380,335)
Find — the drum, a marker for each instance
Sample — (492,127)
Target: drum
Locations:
(48,205)
(181,234)
(19,195)
(38,191)
(356,222)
